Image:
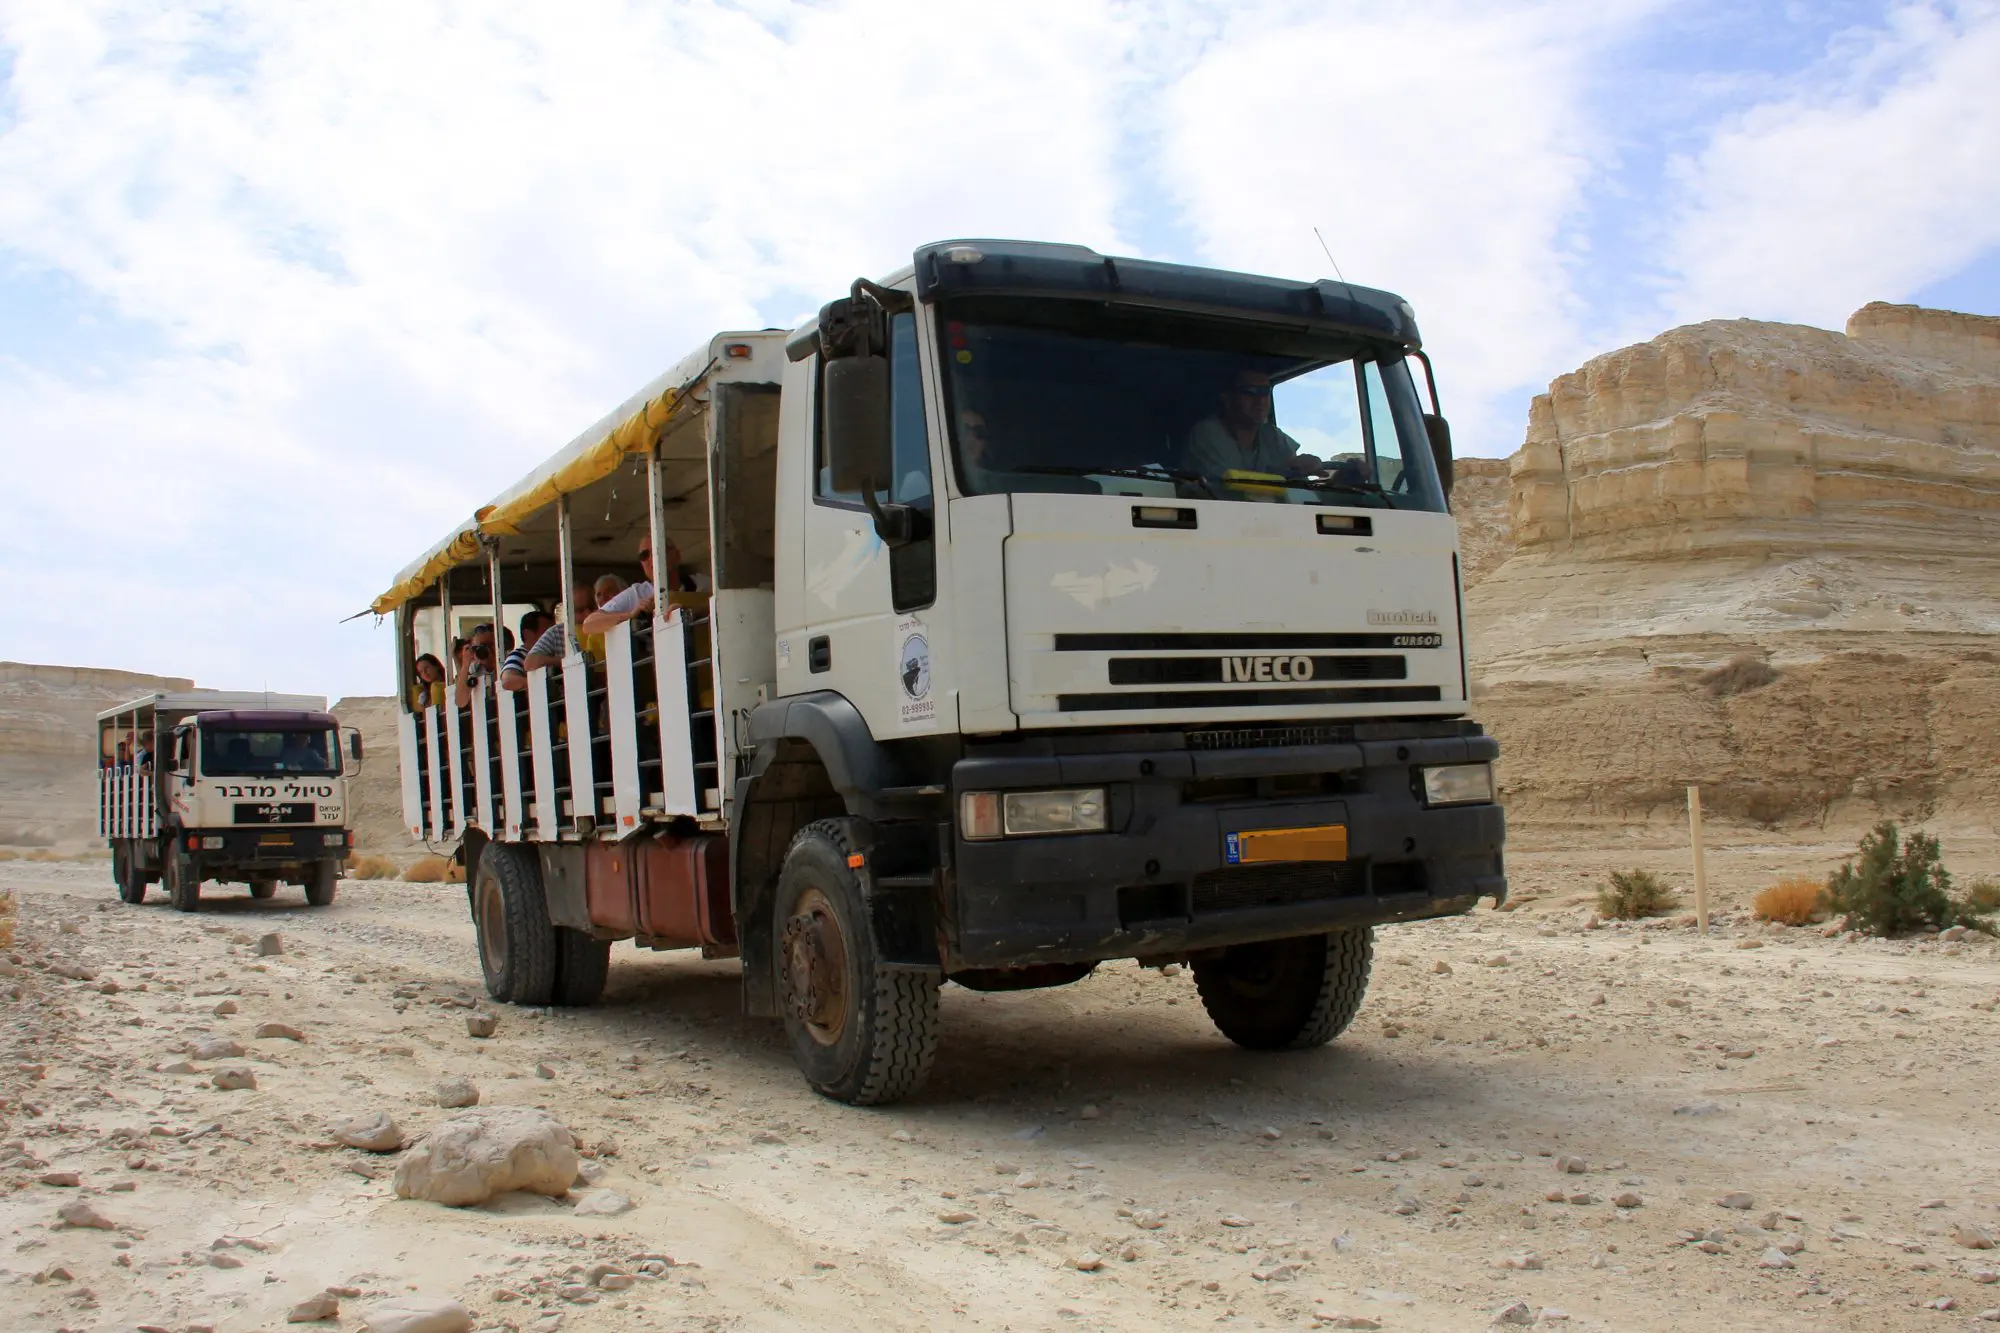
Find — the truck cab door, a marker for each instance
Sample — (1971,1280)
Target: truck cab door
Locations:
(868,604)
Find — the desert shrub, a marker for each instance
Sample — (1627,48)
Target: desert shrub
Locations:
(9,913)
(430,870)
(9,854)
(1632,894)
(1737,675)
(1982,897)
(1896,884)
(1795,902)
(370,867)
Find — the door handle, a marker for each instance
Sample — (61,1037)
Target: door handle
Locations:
(819,653)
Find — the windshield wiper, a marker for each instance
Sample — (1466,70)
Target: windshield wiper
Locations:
(1137,473)
(1345,487)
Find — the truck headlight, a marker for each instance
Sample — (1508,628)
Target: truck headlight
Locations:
(1016,814)
(1458,784)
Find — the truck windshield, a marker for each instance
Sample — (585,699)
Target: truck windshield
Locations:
(1070,396)
(237,753)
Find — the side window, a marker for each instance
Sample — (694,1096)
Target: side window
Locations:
(1385,454)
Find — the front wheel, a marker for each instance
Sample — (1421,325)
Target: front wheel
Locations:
(1287,995)
(860,1033)
(323,884)
(183,881)
(510,917)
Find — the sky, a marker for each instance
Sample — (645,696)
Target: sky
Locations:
(286,290)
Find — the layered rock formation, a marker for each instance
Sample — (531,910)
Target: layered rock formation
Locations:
(48,736)
(1821,509)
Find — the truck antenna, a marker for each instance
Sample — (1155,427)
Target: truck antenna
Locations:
(1329,257)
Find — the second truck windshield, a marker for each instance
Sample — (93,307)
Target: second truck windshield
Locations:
(1029,608)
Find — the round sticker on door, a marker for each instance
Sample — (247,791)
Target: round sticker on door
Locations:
(913,674)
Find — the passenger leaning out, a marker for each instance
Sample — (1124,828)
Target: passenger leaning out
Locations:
(550,648)
(429,690)
(514,671)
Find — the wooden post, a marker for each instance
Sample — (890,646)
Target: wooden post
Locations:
(1700,865)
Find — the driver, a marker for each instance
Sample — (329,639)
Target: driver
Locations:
(1239,435)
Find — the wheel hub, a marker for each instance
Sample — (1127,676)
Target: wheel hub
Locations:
(490,913)
(815,968)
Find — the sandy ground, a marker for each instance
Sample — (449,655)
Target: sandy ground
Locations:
(1845,1086)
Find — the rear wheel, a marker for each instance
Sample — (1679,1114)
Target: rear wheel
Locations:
(127,874)
(320,887)
(860,1033)
(510,915)
(583,965)
(263,888)
(1287,995)
(183,881)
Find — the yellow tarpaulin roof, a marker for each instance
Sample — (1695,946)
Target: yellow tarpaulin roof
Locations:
(591,457)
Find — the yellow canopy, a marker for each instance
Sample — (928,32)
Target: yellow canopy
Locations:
(591,457)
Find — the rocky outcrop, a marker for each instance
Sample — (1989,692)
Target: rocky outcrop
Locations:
(1736,436)
(48,738)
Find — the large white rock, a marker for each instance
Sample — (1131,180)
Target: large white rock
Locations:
(487,1151)
(417,1314)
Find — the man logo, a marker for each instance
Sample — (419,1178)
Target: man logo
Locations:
(1266,668)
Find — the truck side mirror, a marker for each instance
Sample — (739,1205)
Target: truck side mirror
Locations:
(857,423)
(354,745)
(1440,432)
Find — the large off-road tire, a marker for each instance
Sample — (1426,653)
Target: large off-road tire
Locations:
(510,915)
(321,885)
(183,881)
(860,1033)
(583,965)
(1287,995)
(263,888)
(125,872)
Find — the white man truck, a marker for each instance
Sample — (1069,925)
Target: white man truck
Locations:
(207,785)
(1038,608)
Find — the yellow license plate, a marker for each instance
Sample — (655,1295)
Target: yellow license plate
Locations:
(1324,842)
(275,840)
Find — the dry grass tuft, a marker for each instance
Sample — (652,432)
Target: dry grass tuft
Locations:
(1738,675)
(43,854)
(435,870)
(9,914)
(370,867)
(1795,902)
(1982,896)
(1632,894)
(9,854)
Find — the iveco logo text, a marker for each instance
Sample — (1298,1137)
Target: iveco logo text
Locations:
(1402,618)
(1267,668)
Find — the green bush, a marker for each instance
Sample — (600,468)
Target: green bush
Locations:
(1982,897)
(1896,885)
(1633,894)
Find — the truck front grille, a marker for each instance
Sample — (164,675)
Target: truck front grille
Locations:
(1278,884)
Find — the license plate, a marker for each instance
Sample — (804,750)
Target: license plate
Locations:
(274,812)
(1324,842)
(275,840)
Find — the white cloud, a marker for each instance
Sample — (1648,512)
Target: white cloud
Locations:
(1876,172)
(1443,149)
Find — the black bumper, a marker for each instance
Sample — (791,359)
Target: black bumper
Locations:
(1158,884)
(265,847)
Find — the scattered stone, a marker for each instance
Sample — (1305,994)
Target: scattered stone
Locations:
(481,1025)
(395,1050)
(62,1179)
(1277,1272)
(543,1071)
(457,1092)
(218,1048)
(472,1157)
(1791,1243)
(1087,1262)
(314,1308)
(1088,1113)
(270,945)
(957,1218)
(1147,1219)
(1991,1316)
(417,1314)
(176,1067)
(222,1259)
(616,1282)
(1699,1108)
(1232,1220)
(1738,1199)
(1441,968)
(1575,1166)
(1349,1321)
(1972,1236)
(233,1078)
(284,1031)
(1627,1200)
(372,1133)
(79,1213)
(1517,1313)
(1519,1262)
(224,1009)
(1773,1257)
(1269,1134)
(603,1203)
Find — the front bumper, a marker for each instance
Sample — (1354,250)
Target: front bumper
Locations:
(1158,883)
(266,846)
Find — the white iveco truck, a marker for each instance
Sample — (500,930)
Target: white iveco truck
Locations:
(1035,608)
(207,785)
